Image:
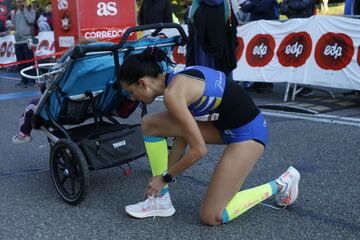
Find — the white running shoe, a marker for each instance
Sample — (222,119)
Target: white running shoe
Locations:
(20,138)
(152,207)
(290,182)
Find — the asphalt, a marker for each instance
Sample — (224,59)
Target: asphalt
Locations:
(326,154)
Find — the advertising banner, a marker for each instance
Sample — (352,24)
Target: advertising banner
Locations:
(106,20)
(320,51)
(65,23)
(44,48)
(7,49)
(102,20)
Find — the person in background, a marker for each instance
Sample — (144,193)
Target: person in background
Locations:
(212,36)
(356,7)
(297,9)
(23,21)
(187,6)
(42,23)
(48,15)
(324,6)
(267,10)
(155,11)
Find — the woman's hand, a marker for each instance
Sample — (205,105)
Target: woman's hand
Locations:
(154,186)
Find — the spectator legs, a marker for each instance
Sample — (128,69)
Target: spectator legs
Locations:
(22,53)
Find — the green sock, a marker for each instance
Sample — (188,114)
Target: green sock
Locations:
(157,152)
(246,199)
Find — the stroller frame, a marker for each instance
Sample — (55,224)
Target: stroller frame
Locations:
(70,161)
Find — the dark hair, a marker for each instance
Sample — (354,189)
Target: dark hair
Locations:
(147,63)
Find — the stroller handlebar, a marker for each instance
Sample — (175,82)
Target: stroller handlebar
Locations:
(80,51)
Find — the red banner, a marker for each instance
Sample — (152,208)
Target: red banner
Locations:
(103,20)
(5,8)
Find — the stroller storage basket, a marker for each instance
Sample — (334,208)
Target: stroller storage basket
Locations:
(77,108)
(118,146)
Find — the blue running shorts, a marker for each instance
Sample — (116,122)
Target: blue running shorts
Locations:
(254,130)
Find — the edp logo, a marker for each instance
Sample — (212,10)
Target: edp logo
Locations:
(295,49)
(260,50)
(334,51)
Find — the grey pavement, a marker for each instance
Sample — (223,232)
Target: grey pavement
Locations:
(326,154)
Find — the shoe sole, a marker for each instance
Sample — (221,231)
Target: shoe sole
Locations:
(295,186)
(162,213)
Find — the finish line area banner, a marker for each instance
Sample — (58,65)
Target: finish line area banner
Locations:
(45,48)
(319,51)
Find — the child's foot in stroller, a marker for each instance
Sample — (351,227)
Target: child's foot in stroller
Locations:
(152,207)
(21,138)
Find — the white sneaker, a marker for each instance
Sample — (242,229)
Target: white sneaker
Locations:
(290,182)
(152,207)
(19,139)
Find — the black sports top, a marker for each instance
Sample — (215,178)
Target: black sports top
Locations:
(223,101)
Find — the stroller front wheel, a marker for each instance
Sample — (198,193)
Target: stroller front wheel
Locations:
(69,171)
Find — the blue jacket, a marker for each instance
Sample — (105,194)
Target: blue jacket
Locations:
(297,8)
(261,9)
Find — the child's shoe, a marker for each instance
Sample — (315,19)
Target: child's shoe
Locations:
(21,138)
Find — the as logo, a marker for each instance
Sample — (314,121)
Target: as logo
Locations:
(260,50)
(63,4)
(106,9)
(294,50)
(334,51)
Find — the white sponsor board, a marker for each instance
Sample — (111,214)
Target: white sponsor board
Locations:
(319,51)
(7,44)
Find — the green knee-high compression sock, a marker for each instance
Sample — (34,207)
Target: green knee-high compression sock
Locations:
(246,199)
(157,152)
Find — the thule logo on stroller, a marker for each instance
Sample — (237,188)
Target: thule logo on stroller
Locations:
(119,144)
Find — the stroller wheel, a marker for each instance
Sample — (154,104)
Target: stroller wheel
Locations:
(69,171)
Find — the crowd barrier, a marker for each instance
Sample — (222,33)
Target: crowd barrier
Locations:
(44,49)
(318,51)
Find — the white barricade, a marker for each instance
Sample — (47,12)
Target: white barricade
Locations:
(7,47)
(319,51)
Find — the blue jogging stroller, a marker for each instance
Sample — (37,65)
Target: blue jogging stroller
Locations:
(80,108)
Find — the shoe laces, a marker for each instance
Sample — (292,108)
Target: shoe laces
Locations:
(150,202)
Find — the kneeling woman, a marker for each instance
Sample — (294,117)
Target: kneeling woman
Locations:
(203,107)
